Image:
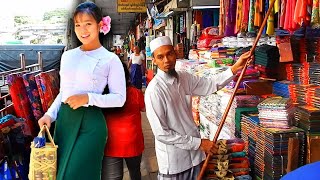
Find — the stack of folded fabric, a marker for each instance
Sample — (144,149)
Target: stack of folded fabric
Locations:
(311,73)
(281,88)
(190,66)
(266,72)
(48,87)
(295,47)
(251,75)
(313,47)
(211,109)
(193,54)
(314,93)
(272,151)
(276,112)
(308,119)
(301,92)
(218,52)
(249,130)
(267,57)
(231,162)
(242,50)
(303,50)
(292,93)
(247,101)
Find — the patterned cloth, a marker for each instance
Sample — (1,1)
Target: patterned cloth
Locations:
(20,99)
(33,94)
(251,17)
(48,87)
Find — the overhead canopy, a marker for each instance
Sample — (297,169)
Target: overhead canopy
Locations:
(120,22)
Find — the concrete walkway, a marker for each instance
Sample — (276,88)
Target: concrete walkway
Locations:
(149,166)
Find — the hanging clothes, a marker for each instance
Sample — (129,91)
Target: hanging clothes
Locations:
(289,24)
(300,12)
(251,17)
(239,15)
(198,17)
(215,17)
(207,18)
(258,13)
(266,8)
(245,15)
(231,18)
(270,26)
(222,18)
(282,13)
(315,22)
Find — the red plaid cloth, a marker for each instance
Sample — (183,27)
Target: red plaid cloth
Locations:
(20,99)
(48,87)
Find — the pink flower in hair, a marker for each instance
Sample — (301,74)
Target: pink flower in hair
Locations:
(105,28)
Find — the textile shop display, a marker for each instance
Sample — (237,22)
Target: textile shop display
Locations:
(267,57)
(15,139)
(20,99)
(211,109)
(276,113)
(230,161)
(48,86)
(308,119)
(249,130)
(33,94)
(281,88)
(239,112)
(271,157)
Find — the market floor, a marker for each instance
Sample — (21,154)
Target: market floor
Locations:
(149,166)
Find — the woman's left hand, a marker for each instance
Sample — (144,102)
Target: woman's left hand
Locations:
(77,101)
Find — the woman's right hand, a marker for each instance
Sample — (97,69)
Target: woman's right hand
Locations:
(45,120)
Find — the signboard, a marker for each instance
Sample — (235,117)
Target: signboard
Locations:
(135,6)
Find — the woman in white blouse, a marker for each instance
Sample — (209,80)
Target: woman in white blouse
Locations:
(80,130)
(136,66)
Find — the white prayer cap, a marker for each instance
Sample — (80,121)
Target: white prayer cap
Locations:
(158,42)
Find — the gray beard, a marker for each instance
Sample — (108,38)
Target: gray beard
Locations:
(173,73)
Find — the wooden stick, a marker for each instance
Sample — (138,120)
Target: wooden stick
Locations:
(236,87)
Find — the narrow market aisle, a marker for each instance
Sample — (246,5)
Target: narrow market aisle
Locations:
(149,166)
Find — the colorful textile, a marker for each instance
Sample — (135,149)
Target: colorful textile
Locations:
(315,21)
(239,18)
(48,87)
(33,94)
(251,17)
(245,12)
(270,23)
(125,138)
(231,18)
(20,99)
(282,13)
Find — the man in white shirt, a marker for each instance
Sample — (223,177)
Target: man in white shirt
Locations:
(179,148)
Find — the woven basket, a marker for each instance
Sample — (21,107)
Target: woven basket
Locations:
(43,161)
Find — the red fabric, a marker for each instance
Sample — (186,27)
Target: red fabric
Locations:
(48,87)
(125,137)
(20,99)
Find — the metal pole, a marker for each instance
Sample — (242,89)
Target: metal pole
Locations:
(40,60)
(23,61)
(235,89)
